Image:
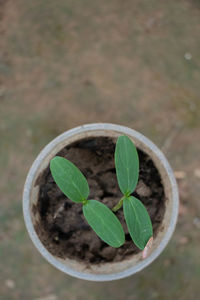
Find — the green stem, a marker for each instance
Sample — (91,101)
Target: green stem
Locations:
(84,201)
(119,204)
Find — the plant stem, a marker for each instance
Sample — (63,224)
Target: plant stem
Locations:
(118,205)
(84,201)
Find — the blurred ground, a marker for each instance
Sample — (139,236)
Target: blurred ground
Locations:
(65,63)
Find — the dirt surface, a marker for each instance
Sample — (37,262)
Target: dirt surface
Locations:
(67,63)
(62,227)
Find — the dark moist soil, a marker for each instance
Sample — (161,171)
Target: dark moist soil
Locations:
(62,227)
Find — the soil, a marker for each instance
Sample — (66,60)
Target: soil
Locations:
(62,227)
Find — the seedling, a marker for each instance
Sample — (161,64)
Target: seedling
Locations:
(103,220)
(127,169)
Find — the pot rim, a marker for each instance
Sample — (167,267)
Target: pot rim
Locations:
(26,202)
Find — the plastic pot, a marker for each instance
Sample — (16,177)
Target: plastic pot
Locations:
(135,263)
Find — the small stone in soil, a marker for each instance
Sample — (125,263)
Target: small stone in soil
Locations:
(94,186)
(108,253)
(142,189)
(95,244)
(108,201)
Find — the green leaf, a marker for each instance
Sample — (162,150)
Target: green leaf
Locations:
(104,222)
(69,179)
(127,164)
(138,221)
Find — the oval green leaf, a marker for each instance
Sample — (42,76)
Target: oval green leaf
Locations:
(104,222)
(138,221)
(127,164)
(69,179)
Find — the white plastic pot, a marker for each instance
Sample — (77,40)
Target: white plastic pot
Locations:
(107,271)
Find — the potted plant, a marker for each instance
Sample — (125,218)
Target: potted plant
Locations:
(80,246)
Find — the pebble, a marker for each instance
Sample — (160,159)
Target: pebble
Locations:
(188,56)
(10,284)
(197,173)
(196,222)
(95,244)
(142,189)
(108,253)
(179,174)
